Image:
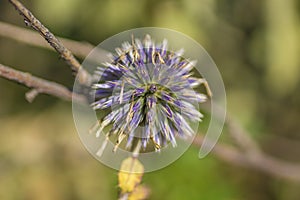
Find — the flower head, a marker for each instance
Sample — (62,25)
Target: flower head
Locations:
(149,93)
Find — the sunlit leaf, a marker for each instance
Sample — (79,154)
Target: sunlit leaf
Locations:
(130,174)
(139,193)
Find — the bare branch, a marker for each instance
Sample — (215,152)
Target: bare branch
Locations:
(31,95)
(39,85)
(29,37)
(261,162)
(241,137)
(80,49)
(31,20)
(248,153)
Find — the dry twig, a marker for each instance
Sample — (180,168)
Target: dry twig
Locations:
(39,85)
(29,37)
(32,21)
(242,138)
(261,161)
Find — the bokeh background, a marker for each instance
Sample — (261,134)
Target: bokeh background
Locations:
(254,43)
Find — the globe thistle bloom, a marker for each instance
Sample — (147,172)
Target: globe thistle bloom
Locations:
(148,92)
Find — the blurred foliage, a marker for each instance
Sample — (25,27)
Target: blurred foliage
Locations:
(254,43)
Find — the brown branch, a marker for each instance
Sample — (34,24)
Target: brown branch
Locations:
(241,137)
(39,85)
(31,20)
(248,153)
(31,95)
(260,161)
(237,133)
(29,37)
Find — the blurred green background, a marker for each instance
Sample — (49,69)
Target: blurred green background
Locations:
(254,43)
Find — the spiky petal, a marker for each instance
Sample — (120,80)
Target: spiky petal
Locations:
(149,91)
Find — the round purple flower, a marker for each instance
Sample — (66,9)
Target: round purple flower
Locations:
(148,92)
